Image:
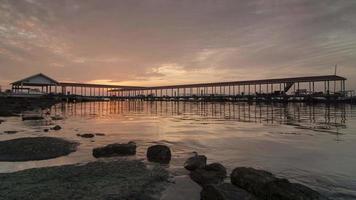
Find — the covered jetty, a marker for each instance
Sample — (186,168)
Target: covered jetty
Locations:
(327,86)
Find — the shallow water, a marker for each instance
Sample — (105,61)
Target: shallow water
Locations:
(310,144)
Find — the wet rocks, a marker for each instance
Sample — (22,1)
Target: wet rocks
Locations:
(1,121)
(225,191)
(195,162)
(252,180)
(35,148)
(12,106)
(10,132)
(27,118)
(282,189)
(86,135)
(214,173)
(265,185)
(57,117)
(125,180)
(115,150)
(45,130)
(100,134)
(159,153)
(56,128)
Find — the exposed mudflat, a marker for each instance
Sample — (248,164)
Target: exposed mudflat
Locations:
(35,148)
(124,180)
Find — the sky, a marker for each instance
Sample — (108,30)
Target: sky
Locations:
(160,42)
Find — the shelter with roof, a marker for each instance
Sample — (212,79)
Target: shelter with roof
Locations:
(48,85)
(311,85)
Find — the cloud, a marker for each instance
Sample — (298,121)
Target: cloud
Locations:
(165,41)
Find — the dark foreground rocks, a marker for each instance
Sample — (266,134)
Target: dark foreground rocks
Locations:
(124,180)
(195,162)
(115,150)
(35,148)
(159,153)
(266,186)
(214,173)
(225,191)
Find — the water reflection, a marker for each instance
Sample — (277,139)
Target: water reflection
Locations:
(318,117)
(309,144)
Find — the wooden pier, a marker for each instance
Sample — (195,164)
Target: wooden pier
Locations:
(311,88)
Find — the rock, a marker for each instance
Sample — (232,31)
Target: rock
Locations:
(225,191)
(124,180)
(217,167)
(265,185)
(45,130)
(252,180)
(100,134)
(282,189)
(35,148)
(56,128)
(86,135)
(115,150)
(57,117)
(26,118)
(12,106)
(182,188)
(211,174)
(1,121)
(10,132)
(195,162)
(159,153)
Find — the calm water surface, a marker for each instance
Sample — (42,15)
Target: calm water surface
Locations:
(310,144)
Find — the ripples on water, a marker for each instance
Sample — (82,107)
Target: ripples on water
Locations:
(309,144)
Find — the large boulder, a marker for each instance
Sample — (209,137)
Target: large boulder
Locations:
(282,189)
(195,162)
(214,173)
(225,191)
(252,180)
(265,185)
(159,153)
(35,148)
(115,150)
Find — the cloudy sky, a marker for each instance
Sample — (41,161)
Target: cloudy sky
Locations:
(157,42)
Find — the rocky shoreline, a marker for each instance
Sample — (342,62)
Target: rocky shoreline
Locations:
(15,106)
(126,180)
(108,178)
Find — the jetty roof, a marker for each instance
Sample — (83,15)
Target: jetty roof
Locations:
(36,80)
(254,82)
(44,80)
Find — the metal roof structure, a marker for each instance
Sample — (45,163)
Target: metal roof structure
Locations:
(36,80)
(252,82)
(44,80)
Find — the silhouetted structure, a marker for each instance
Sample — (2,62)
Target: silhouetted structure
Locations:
(330,87)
